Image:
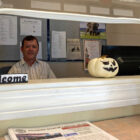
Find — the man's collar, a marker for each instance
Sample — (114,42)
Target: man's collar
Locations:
(23,61)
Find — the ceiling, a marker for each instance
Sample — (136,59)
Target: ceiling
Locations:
(105,8)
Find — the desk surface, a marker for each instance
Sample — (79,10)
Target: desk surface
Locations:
(126,128)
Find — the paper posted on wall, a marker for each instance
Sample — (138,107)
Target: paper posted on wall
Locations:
(73,49)
(73,131)
(58,47)
(92,49)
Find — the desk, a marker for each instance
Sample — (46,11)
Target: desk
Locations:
(59,96)
(126,128)
(67,100)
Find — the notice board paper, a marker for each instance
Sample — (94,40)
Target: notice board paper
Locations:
(58,47)
(8,30)
(30,27)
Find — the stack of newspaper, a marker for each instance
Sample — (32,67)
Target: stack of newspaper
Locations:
(72,131)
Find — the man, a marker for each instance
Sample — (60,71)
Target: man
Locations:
(29,64)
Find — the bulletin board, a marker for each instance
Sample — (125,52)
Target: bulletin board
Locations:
(13,29)
(59,40)
(71,33)
(69,45)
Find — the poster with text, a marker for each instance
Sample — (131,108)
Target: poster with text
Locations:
(92,49)
(30,27)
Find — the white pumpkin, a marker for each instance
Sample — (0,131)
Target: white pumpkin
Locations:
(103,67)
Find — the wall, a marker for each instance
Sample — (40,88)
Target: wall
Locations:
(58,5)
(69,69)
(123,34)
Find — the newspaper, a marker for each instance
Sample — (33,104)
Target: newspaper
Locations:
(73,131)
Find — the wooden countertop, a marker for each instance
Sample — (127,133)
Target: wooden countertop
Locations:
(126,128)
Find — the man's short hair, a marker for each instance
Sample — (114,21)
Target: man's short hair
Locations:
(29,38)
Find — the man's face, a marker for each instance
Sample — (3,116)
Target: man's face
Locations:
(30,49)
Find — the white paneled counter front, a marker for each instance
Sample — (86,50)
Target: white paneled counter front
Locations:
(59,96)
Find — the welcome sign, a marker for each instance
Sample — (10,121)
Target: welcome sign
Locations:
(13,78)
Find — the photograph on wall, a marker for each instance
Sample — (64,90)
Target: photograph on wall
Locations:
(92,30)
(92,49)
(73,49)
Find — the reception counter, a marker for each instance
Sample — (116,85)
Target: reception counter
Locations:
(54,101)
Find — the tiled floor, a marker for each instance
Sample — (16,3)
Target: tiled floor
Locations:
(127,128)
